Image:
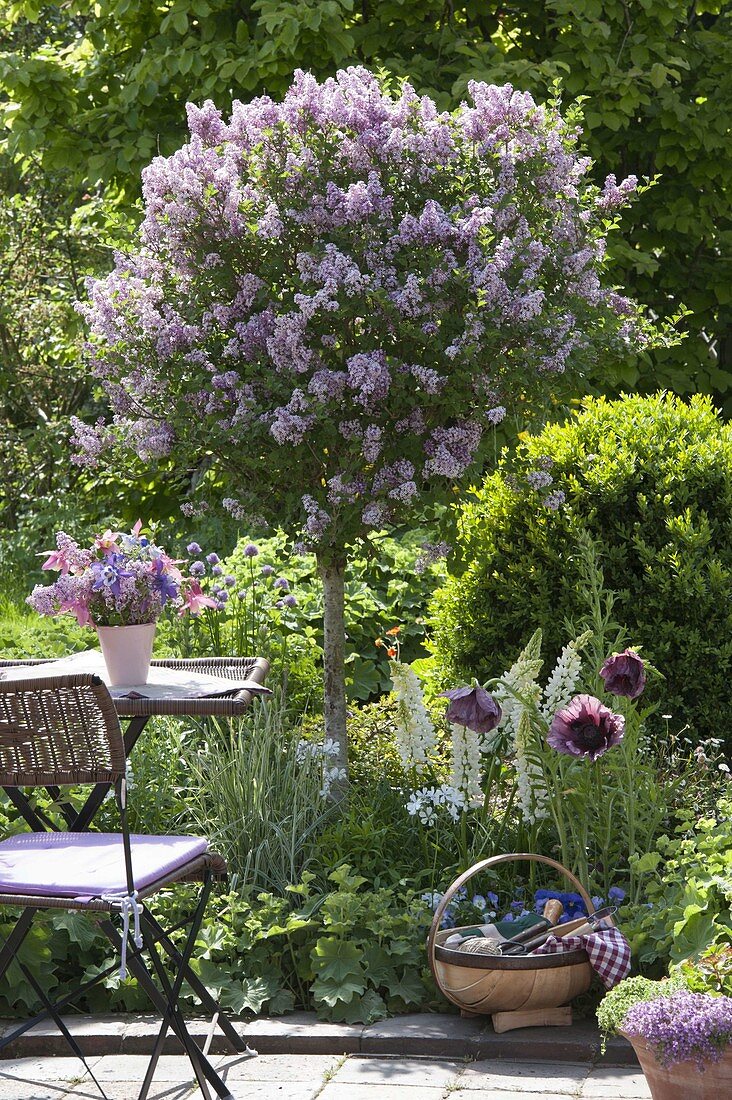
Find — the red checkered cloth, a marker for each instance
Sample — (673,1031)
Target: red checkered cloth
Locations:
(609,952)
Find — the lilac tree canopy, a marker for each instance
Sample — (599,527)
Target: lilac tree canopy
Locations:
(335,297)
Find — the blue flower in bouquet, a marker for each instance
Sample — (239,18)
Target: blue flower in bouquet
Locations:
(616,895)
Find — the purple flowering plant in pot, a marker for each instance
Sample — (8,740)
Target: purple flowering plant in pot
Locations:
(336,298)
(683,1039)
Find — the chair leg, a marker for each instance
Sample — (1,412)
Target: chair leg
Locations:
(53,1012)
(15,940)
(158,999)
(210,1004)
(172,994)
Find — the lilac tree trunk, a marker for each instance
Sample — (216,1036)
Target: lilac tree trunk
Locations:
(332,570)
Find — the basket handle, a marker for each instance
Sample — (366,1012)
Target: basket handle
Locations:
(493,861)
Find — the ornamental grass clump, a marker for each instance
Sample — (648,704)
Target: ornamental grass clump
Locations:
(683,1027)
(336,297)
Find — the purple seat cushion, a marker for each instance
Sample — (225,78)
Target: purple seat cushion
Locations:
(87,865)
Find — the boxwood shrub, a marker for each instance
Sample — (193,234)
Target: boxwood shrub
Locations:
(649,480)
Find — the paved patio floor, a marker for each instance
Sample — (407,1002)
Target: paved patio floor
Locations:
(322,1077)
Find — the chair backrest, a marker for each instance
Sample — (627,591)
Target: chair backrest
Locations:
(59,730)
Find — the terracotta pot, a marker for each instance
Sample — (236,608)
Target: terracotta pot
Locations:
(684,1081)
(127,651)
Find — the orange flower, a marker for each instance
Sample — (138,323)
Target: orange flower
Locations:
(394,630)
(378,642)
(391,652)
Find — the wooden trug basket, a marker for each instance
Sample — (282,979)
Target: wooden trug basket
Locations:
(515,990)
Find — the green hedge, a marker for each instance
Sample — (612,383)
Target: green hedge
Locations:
(649,480)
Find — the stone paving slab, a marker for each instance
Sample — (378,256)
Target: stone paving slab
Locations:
(435,1035)
(422,1072)
(521,1077)
(502,1094)
(334,1091)
(323,1077)
(609,1083)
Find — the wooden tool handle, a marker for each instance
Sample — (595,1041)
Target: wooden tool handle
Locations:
(553,910)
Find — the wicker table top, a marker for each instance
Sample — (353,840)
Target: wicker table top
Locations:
(186,703)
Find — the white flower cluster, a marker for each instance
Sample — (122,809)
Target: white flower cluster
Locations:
(518,686)
(467,763)
(323,751)
(532,792)
(415,737)
(561,685)
(427,801)
(519,694)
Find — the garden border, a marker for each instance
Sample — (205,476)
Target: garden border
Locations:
(418,1034)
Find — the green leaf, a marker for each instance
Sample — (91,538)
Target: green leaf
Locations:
(333,992)
(336,960)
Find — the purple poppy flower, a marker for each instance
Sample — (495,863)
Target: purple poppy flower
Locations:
(473,708)
(585,728)
(193,548)
(197,569)
(267,570)
(624,674)
(213,559)
(216,570)
(250,550)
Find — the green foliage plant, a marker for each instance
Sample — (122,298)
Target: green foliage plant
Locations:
(687,881)
(648,479)
(259,794)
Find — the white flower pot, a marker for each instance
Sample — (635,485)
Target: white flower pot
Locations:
(127,651)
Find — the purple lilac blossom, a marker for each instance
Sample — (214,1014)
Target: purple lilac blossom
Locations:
(311,372)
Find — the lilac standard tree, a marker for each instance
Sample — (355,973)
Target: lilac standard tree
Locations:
(335,297)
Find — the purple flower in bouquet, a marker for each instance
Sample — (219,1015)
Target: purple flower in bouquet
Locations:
(473,708)
(109,573)
(165,582)
(683,1027)
(585,728)
(624,674)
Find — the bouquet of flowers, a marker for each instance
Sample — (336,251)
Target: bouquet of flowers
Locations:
(120,580)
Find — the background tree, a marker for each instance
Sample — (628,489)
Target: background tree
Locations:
(336,296)
(95,90)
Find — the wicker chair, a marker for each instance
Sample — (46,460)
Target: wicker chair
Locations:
(64,730)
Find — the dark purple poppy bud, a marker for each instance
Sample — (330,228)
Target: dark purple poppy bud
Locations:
(624,674)
(585,728)
(473,708)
